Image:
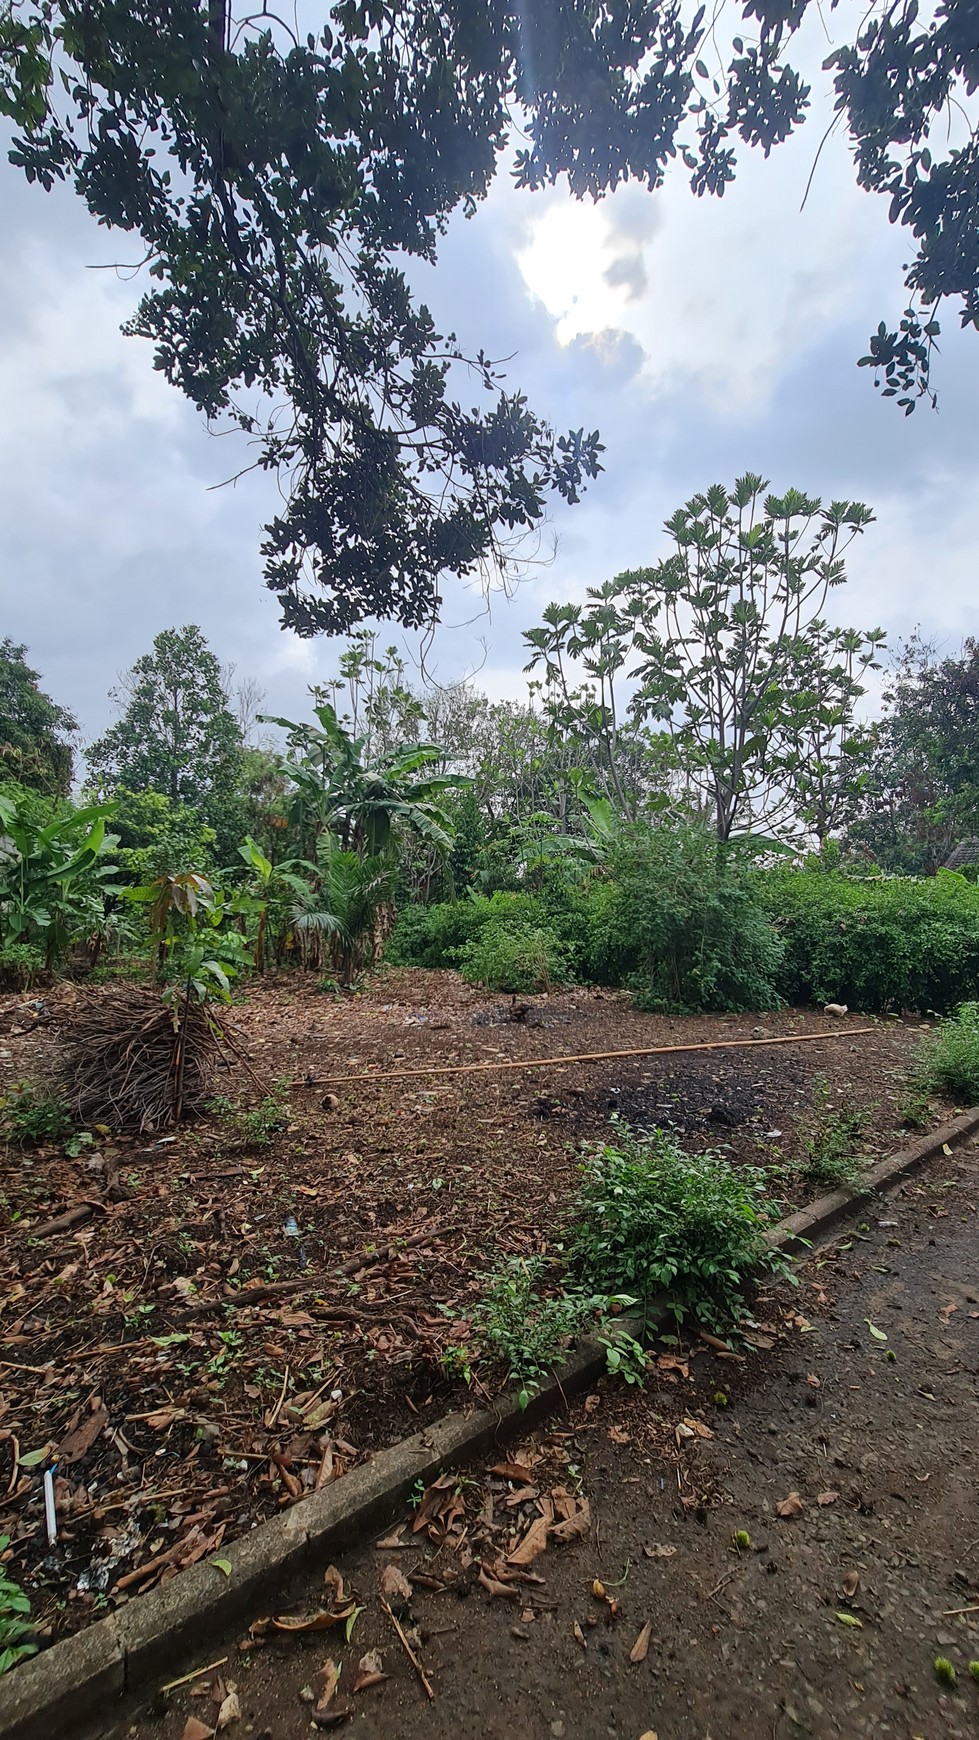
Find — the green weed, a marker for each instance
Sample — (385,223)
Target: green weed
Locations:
(16,1631)
(950,1060)
(655,1221)
(833,1139)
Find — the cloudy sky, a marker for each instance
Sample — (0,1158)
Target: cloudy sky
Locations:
(703,338)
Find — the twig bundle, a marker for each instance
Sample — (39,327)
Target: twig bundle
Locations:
(130,1061)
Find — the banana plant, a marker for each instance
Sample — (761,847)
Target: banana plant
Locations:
(266,880)
(53,880)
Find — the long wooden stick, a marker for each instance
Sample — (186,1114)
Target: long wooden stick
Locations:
(582,1057)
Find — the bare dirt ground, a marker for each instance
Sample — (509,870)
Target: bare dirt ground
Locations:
(774,1548)
(220,1328)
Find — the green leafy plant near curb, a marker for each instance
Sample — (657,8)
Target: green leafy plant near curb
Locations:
(657,1222)
(950,1060)
(516,1324)
(16,1631)
(833,1139)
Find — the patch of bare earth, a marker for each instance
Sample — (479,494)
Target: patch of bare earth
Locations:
(215,1330)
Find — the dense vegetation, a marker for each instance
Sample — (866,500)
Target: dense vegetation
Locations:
(686,804)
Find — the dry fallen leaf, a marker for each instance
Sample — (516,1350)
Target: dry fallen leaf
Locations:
(618,1436)
(230,1710)
(851,1584)
(659,1552)
(579,1634)
(194,1730)
(506,1591)
(639,1649)
(78,1443)
(324,1685)
(826,1498)
(513,1471)
(395,1585)
(370,1670)
(573,1526)
(533,1543)
(298,1623)
(791,1506)
(698,1426)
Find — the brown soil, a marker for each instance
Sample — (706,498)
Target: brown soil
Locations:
(843,1458)
(221,1305)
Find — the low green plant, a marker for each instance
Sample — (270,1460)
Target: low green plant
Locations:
(515,957)
(950,1061)
(833,1139)
(255,1125)
(625,1357)
(944,1671)
(16,1631)
(654,1220)
(456,1363)
(517,1325)
(20,965)
(32,1113)
(914,1106)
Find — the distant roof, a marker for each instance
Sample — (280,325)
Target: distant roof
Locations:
(966,852)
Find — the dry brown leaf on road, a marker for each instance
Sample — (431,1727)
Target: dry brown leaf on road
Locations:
(573,1526)
(533,1543)
(513,1471)
(370,1670)
(506,1591)
(640,1648)
(80,1441)
(791,1506)
(579,1635)
(851,1584)
(826,1498)
(395,1585)
(195,1730)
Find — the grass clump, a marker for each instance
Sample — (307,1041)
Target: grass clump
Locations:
(654,1220)
(255,1125)
(950,1061)
(515,957)
(835,1136)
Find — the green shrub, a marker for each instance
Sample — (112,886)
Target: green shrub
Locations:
(16,1631)
(683,926)
(31,1114)
(517,1326)
(876,943)
(832,1142)
(20,965)
(655,1220)
(515,957)
(950,1060)
(432,936)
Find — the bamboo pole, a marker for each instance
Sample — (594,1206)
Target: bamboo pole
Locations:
(582,1057)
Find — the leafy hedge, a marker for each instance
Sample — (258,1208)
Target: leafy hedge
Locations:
(885,943)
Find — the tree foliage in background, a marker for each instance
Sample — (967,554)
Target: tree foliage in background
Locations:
(275,183)
(923,796)
(35,733)
(726,651)
(177,735)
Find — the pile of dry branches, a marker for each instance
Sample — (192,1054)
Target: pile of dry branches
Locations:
(131,1061)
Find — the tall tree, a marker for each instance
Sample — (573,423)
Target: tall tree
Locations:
(725,648)
(275,182)
(177,734)
(35,732)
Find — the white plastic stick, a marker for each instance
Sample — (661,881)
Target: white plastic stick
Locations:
(50,1514)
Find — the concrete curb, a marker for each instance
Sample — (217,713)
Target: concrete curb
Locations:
(58,1691)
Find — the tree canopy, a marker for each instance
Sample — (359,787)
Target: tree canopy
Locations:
(176,734)
(35,732)
(277,183)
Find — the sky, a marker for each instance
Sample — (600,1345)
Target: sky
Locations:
(703,338)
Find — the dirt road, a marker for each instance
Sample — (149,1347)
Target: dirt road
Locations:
(827,1624)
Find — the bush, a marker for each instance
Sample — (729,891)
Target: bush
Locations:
(950,1061)
(656,1220)
(515,1325)
(432,936)
(877,943)
(515,957)
(20,965)
(683,926)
